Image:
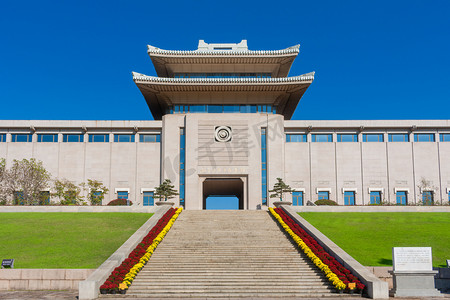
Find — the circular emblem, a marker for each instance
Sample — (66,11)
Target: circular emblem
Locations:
(222,134)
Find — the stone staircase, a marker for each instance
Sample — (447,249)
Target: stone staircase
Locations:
(224,254)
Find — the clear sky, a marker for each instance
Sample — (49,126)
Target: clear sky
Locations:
(373,59)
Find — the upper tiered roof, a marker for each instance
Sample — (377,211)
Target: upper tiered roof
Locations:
(254,77)
(223,58)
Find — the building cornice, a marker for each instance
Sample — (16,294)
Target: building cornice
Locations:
(367,125)
(80,124)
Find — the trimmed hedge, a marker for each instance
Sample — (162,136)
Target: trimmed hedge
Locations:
(120,202)
(325,202)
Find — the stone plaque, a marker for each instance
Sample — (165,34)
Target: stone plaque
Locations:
(412,259)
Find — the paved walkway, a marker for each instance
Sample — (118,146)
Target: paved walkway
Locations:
(38,295)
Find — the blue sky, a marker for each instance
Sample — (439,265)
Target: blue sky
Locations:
(373,59)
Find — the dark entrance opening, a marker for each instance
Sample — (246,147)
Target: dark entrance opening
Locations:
(223,193)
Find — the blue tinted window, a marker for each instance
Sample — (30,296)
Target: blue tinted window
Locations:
(321,138)
(197,108)
(297,198)
(2,137)
(21,138)
(248,108)
(47,138)
(445,137)
(73,138)
(427,198)
(231,108)
(264,108)
(148,199)
(182,166)
(401,198)
(398,137)
(124,138)
(122,195)
(373,137)
(424,137)
(296,138)
(215,108)
(375,197)
(177,109)
(264,165)
(349,198)
(18,198)
(44,198)
(99,138)
(149,138)
(323,195)
(347,137)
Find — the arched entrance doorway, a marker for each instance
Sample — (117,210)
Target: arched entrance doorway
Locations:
(223,192)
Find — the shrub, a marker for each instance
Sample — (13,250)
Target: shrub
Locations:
(325,202)
(119,202)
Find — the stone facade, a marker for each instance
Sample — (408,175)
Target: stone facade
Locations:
(307,166)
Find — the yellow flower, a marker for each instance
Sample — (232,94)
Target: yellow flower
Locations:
(123,286)
(317,261)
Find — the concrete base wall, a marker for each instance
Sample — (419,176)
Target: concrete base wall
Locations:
(383,274)
(42,279)
(441,280)
(134,209)
(326,208)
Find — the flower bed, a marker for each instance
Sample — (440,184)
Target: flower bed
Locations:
(122,276)
(337,274)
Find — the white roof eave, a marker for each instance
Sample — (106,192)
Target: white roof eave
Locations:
(291,50)
(145,78)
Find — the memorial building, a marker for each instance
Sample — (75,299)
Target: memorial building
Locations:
(222,127)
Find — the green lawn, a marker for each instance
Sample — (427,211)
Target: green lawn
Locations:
(65,240)
(369,237)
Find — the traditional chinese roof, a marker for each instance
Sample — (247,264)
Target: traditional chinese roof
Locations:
(284,93)
(238,59)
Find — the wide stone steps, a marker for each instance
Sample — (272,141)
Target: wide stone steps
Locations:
(248,273)
(225,295)
(227,278)
(228,254)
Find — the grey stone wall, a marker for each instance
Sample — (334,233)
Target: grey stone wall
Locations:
(42,279)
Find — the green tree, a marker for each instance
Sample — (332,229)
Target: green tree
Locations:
(3,190)
(68,192)
(279,189)
(96,191)
(27,178)
(165,190)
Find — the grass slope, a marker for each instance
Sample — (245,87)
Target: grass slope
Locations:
(369,237)
(64,240)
